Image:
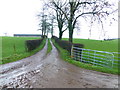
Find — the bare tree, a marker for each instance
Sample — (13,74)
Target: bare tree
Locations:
(45,25)
(60,18)
(52,21)
(73,9)
(42,24)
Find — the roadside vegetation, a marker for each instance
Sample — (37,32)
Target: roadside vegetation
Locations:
(49,47)
(108,46)
(13,48)
(64,54)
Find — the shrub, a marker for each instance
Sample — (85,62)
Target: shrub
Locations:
(78,45)
(44,36)
(66,44)
(33,44)
(54,37)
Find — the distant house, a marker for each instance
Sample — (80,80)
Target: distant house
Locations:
(27,35)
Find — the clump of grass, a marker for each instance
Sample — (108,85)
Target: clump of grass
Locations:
(49,47)
(66,56)
(8,53)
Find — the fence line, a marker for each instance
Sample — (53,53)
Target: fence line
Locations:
(95,57)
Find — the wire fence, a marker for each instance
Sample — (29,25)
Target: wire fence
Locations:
(94,57)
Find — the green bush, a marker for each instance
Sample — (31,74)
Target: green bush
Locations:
(33,44)
(66,44)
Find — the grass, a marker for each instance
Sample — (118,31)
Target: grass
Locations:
(66,56)
(49,47)
(13,48)
(109,46)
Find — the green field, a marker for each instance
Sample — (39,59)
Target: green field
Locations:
(13,48)
(64,54)
(101,58)
(109,46)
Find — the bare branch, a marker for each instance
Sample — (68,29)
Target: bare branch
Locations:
(64,30)
(60,9)
(87,3)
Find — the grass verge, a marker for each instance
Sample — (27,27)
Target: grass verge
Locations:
(18,56)
(49,47)
(66,56)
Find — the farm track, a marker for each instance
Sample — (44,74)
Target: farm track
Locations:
(41,71)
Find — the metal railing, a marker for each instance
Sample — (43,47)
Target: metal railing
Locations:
(94,57)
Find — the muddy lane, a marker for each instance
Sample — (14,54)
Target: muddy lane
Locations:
(56,73)
(12,74)
(52,72)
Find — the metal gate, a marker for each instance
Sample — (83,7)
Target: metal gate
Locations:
(95,57)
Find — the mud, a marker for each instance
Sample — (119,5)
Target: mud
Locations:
(49,71)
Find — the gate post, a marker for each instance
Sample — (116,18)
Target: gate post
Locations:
(72,51)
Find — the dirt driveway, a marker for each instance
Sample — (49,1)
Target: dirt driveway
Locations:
(49,71)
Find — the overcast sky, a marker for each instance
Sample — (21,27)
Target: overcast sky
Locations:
(20,17)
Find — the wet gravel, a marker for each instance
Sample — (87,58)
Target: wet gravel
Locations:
(49,71)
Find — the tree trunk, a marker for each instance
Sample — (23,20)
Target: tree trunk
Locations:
(52,31)
(60,26)
(60,34)
(42,32)
(71,35)
(70,27)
